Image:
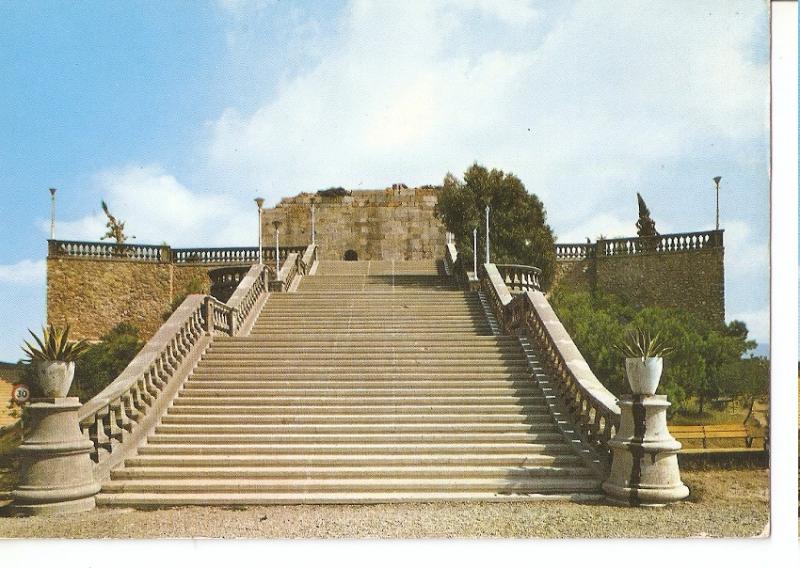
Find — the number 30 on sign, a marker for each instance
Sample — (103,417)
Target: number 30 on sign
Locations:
(20,394)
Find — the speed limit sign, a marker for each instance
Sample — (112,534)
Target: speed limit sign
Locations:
(20,393)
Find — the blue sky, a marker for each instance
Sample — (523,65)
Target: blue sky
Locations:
(179,113)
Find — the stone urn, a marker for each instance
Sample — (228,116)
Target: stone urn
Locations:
(54,377)
(644,374)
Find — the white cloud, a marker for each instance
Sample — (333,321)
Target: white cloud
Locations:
(156,208)
(411,91)
(746,254)
(24,273)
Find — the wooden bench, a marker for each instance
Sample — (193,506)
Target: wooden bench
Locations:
(718,432)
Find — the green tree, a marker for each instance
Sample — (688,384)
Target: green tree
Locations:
(746,380)
(701,366)
(519,233)
(105,360)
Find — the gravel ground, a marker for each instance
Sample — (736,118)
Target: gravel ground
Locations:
(730,503)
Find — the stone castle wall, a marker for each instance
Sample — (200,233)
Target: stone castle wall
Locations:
(689,275)
(390,224)
(94,295)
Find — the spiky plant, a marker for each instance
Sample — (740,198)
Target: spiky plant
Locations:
(639,344)
(54,345)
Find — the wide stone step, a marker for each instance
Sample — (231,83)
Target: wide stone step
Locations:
(362,328)
(335,383)
(350,472)
(224,373)
(329,352)
(208,427)
(305,461)
(130,499)
(254,448)
(356,438)
(298,358)
(358,400)
(202,415)
(367,394)
(186,405)
(368,340)
(509,484)
(302,366)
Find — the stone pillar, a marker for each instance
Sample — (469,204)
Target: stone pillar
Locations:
(56,472)
(644,469)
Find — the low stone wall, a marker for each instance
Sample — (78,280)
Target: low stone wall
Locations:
(94,295)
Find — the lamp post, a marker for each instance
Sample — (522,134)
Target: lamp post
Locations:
(53,212)
(260,202)
(716,182)
(487,234)
(277,225)
(313,221)
(475,251)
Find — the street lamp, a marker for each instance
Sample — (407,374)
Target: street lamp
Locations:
(487,234)
(716,181)
(277,225)
(53,212)
(260,202)
(475,251)
(313,223)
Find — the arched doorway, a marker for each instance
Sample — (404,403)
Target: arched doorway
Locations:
(350,255)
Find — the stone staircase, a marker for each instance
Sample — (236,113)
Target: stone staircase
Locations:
(373,382)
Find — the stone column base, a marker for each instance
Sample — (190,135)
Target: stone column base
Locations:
(56,473)
(644,468)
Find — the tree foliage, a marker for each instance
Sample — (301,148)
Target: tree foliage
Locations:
(519,233)
(105,360)
(703,365)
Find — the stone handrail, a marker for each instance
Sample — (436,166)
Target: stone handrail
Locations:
(308,259)
(118,418)
(592,406)
(287,273)
(247,295)
(674,242)
(520,278)
(574,251)
(661,243)
(165,253)
(100,251)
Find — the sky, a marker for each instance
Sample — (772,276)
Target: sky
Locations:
(178,114)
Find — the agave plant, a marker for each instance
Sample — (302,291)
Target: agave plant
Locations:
(54,345)
(639,344)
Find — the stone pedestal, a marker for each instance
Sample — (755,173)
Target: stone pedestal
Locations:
(56,471)
(644,469)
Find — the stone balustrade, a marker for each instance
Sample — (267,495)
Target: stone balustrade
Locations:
(285,275)
(659,244)
(593,408)
(120,416)
(165,253)
(520,278)
(574,251)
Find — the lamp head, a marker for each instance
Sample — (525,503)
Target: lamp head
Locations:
(276,224)
(717,180)
(53,191)
(259,201)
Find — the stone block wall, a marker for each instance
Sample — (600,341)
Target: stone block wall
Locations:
(690,280)
(390,224)
(687,272)
(94,295)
